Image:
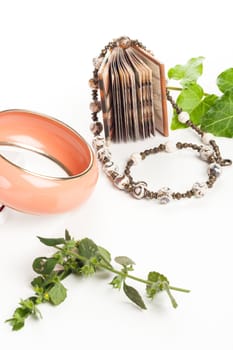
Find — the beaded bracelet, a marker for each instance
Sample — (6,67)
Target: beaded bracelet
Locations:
(208,151)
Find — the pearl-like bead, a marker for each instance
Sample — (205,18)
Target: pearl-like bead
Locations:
(164,195)
(136,158)
(206,152)
(214,169)
(206,138)
(199,189)
(183,117)
(170,147)
(121,181)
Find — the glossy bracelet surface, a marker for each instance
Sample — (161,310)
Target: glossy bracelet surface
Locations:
(29,192)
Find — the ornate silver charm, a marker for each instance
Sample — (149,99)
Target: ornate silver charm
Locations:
(199,189)
(98,142)
(121,181)
(104,153)
(164,195)
(139,190)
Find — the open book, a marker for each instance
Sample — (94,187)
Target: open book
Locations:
(133,94)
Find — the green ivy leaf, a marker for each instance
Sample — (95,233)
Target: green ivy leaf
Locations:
(188,100)
(134,296)
(202,108)
(44,266)
(219,118)
(37,281)
(57,294)
(87,248)
(188,72)
(51,242)
(225,80)
(124,261)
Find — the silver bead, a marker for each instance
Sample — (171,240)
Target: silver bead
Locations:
(164,195)
(121,181)
(98,142)
(136,158)
(104,153)
(214,169)
(206,138)
(183,117)
(97,62)
(109,167)
(139,190)
(113,169)
(206,152)
(199,189)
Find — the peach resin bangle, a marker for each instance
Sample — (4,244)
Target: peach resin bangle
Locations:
(33,193)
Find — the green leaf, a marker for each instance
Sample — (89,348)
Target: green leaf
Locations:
(225,80)
(104,254)
(37,281)
(156,277)
(51,242)
(124,261)
(188,72)
(87,248)
(117,282)
(57,294)
(201,109)
(188,100)
(134,296)
(67,235)
(219,118)
(44,266)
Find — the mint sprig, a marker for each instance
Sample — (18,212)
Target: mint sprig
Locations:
(212,113)
(82,257)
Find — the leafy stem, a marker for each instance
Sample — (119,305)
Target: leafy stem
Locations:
(82,257)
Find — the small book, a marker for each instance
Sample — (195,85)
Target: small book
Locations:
(133,93)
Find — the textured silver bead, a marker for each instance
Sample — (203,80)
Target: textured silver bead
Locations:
(183,117)
(164,195)
(214,169)
(136,158)
(121,181)
(104,153)
(199,189)
(139,190)
(98,142)
(97,62)
(206,138)
(206,152)
(109,167)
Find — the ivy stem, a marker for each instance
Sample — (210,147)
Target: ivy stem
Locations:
(176,88)
(138,279)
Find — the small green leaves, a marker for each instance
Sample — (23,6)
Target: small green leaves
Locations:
(86,258)
(225,80)
(219,118)
(124,261)
(134,296)
(51,242)
(87,248)
(43,265)
(57,294)
(187,73)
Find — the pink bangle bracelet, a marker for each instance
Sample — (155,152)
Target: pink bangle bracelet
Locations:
(29,192)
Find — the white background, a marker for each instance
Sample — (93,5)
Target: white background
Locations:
(46,51)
